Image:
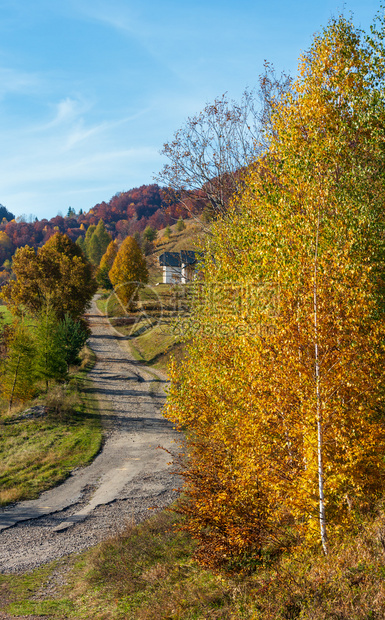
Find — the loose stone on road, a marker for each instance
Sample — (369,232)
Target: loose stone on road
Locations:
(130,476)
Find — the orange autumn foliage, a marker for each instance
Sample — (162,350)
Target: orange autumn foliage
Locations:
(282,390)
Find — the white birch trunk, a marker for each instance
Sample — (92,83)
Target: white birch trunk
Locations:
(322,516)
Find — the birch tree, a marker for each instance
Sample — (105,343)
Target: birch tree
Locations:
(285,371)
(207,156)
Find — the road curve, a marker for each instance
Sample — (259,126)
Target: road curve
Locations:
(128,478)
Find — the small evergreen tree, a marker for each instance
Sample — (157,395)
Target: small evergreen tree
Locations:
(50,347)
(80,242)
(150,234)
(90,231)
(98,243)
(73,335)
(180,225)
(18,371)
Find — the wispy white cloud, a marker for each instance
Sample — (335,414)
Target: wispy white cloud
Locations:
(44,167)
(14,81)
(86,166)
(115,13)
(81,133)
(63,113)
(67,110)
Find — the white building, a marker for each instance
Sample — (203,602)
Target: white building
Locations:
(178,266)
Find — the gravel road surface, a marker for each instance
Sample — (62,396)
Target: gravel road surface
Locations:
(126,480)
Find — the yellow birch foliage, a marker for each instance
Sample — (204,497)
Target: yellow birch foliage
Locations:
(282,391)
(128,272)
(109,256)
(105,265)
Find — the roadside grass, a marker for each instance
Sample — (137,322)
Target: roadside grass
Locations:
(143,573)
(147,572)
(155,347)
(24,592)
(152,331)
(36,453)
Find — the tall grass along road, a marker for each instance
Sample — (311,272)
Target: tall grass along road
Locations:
(126,480)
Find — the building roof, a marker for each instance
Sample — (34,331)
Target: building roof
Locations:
(170,259)
(178,259)
(189,257)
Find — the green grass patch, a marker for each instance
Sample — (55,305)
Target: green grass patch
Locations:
(36,453)
(50,608)
(106,307)
(155,346)
(8,317)
(22,594)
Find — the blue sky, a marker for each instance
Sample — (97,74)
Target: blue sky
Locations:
(90,90)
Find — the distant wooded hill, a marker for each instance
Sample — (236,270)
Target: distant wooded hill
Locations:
(126,213)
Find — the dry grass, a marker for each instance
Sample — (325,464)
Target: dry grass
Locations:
(61,402)
(37,453)
(88,359)
(9,496)
(145,573)
(148,573)
(187,239)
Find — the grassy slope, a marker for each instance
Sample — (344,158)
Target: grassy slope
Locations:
(38,453)
(148,573)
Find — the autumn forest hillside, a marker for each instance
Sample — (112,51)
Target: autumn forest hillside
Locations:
(125,214)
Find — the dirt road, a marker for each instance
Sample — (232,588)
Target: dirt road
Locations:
(127,479)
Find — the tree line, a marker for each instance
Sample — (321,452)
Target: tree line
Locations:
(125,214)
(47,300)
(53,287)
